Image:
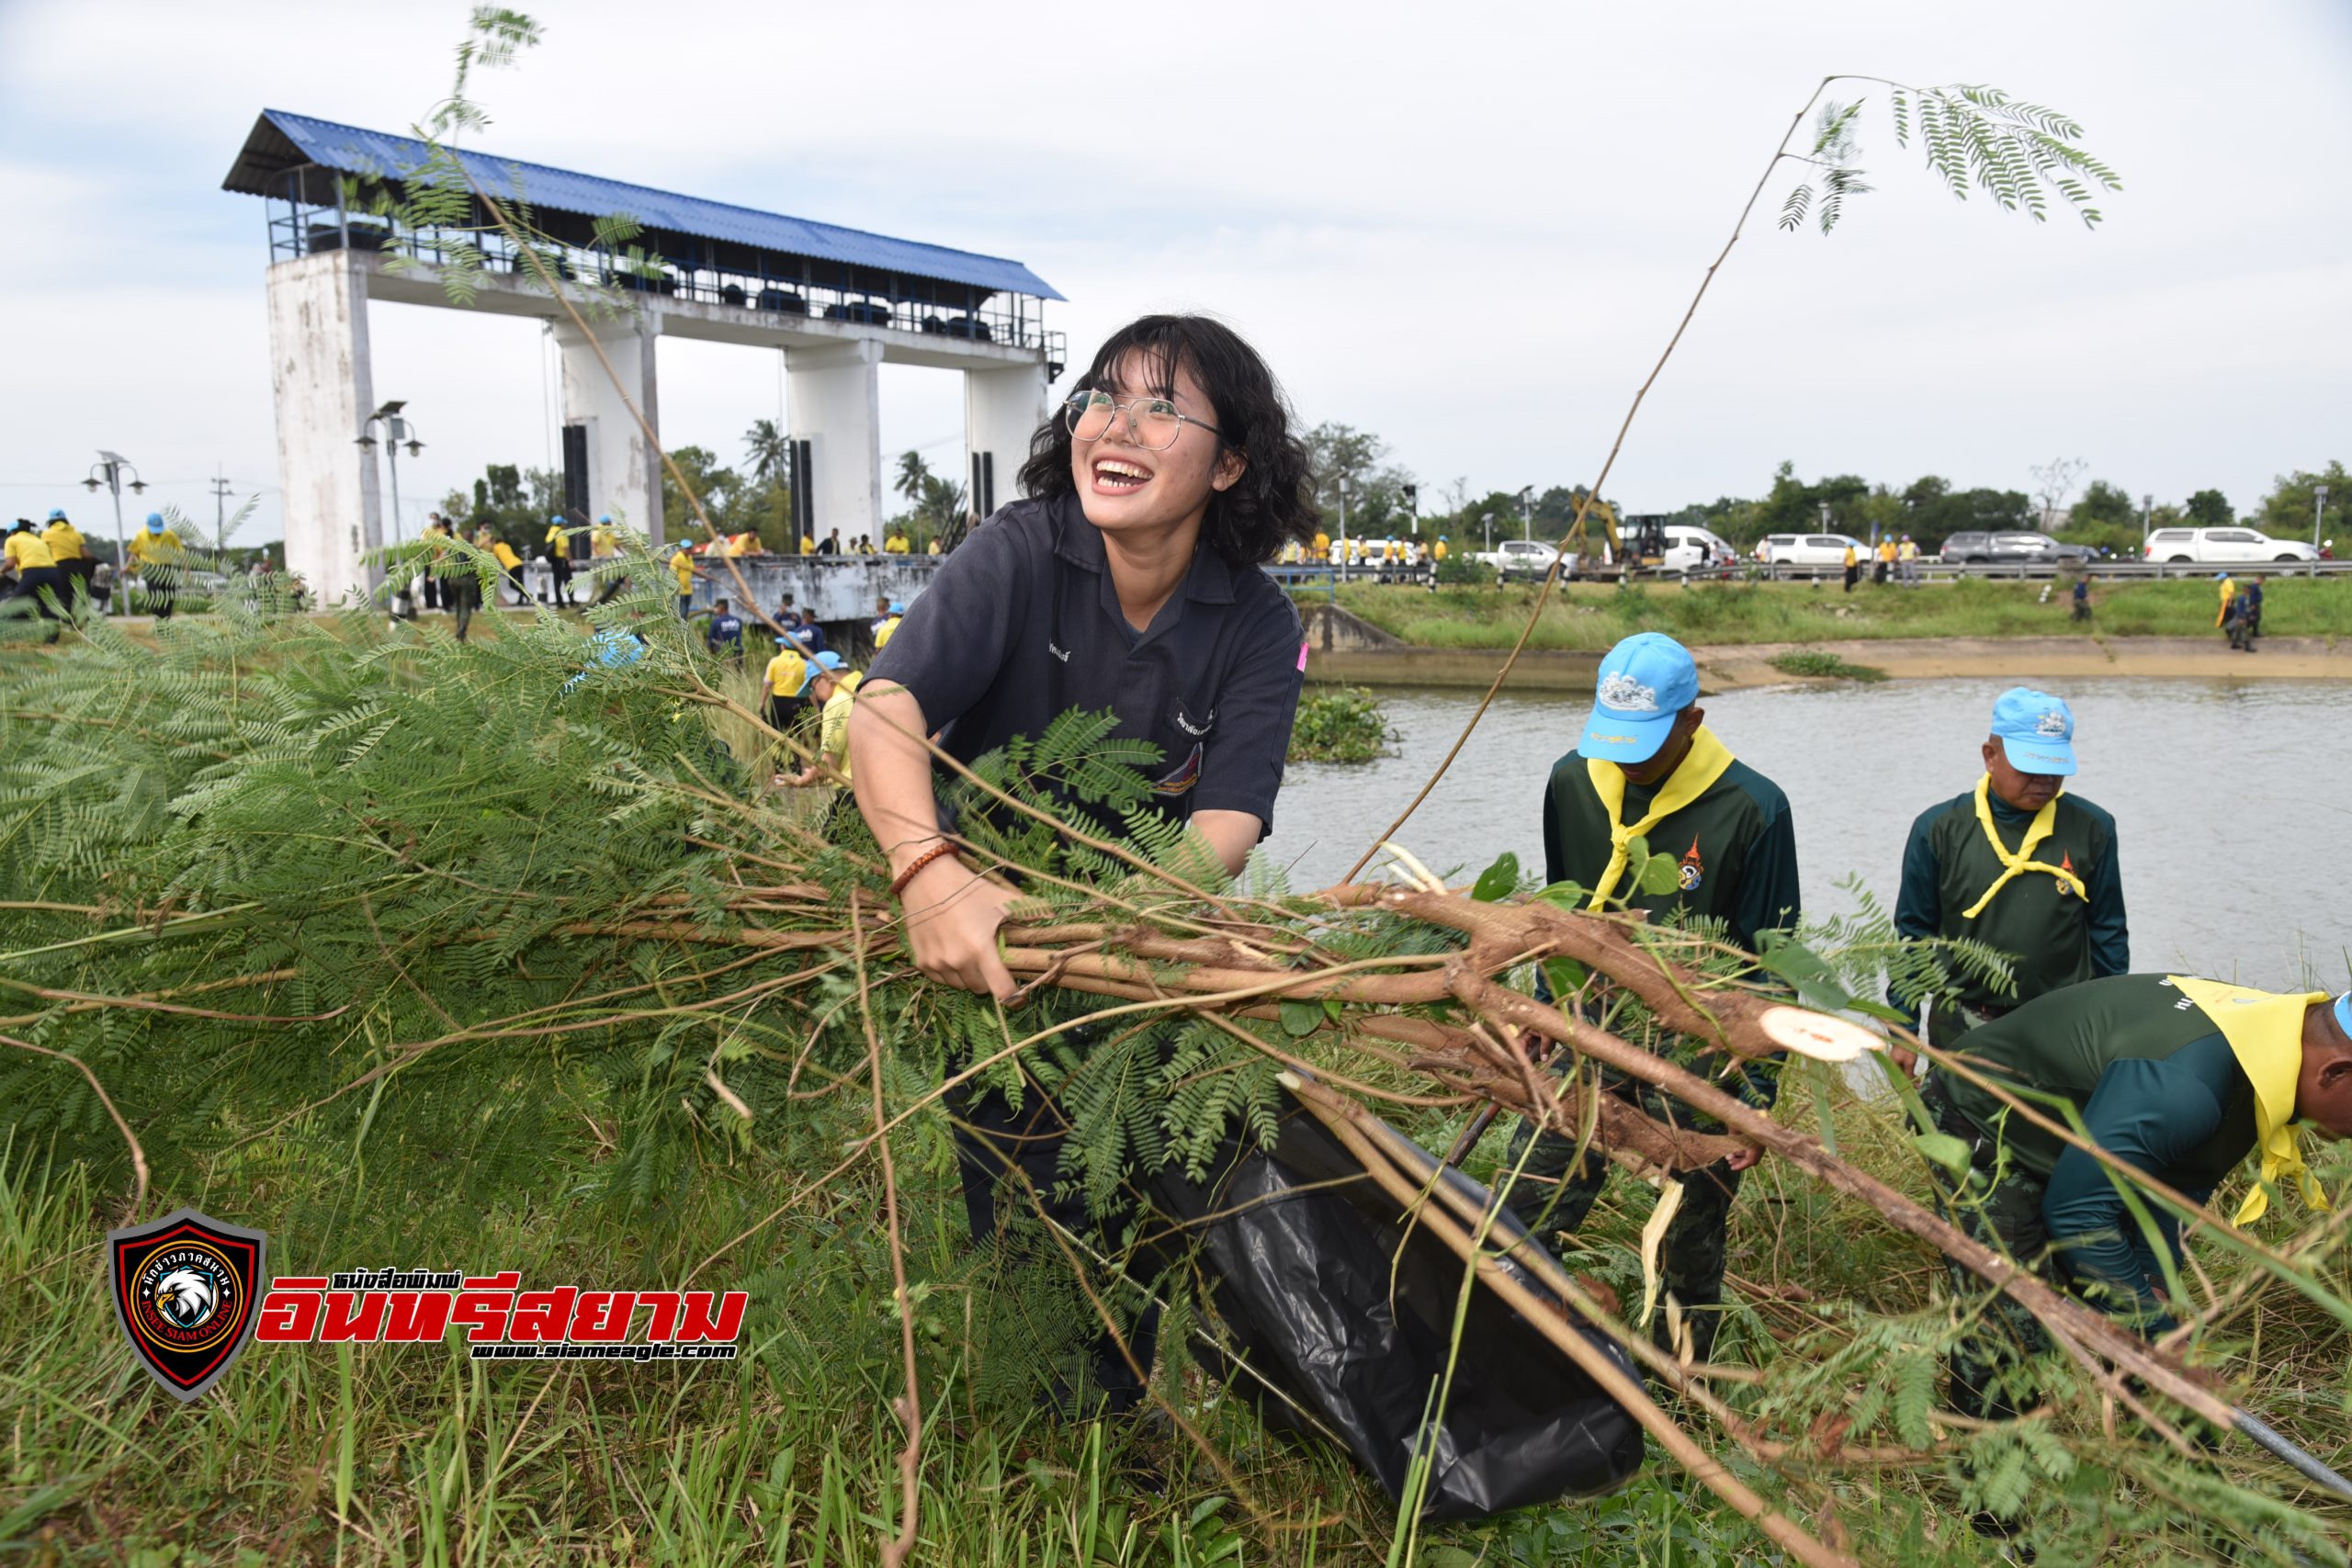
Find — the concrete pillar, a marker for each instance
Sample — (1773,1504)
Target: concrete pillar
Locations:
(624,468)
(835,396)
(1003,409)
(320,380)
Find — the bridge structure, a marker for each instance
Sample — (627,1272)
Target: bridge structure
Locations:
(838,302)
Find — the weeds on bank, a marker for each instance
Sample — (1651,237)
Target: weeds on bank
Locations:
(1590,616)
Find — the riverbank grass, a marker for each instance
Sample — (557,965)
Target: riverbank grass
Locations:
(1593,616)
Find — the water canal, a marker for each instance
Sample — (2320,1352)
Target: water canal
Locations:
(2234,799)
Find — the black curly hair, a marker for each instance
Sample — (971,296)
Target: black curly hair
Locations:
(1271,503)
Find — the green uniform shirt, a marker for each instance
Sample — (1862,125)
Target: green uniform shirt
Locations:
(2157,1085)
(1736,843)
(2053,937)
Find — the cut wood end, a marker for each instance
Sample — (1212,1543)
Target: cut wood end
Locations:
(1816,1034)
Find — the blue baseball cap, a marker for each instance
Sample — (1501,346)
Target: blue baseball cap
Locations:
(56,514)
(556,521)
(2036,731)
(154,522)
(897,608)
(2219,576)
(607,517)
(1645,682)
(826,663)
(2343,1013)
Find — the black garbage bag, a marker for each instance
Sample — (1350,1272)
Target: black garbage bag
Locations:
(1345,1314)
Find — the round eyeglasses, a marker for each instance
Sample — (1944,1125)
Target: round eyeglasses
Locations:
(1153,424)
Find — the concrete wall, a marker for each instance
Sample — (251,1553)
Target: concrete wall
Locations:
(835,396)
(624,468)
(322,383)
(1001,412)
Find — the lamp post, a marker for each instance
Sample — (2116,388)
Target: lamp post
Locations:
(397,431)
(1488,519)
(111,467)
(2319,510)
(2147,520)
(1343,510)
(1527,512)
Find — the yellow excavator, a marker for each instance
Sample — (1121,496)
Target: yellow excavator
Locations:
(1601,538)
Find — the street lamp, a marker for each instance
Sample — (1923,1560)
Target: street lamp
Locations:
(2147,519)
(112,465)
(2319,510)
(1344,508)
(399,432)
(1488,519)
(1527,512)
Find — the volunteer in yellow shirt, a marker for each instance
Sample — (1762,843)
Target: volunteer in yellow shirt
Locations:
(26,559)
(682,566)
(831,681)
(808,543)
(559,548)
(511,564)
(74,562)
(780,701)
(156,551)
(897,543)
(604,539)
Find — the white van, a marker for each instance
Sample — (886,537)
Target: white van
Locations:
(1691,549)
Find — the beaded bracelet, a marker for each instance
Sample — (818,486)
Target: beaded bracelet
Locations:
(899,883)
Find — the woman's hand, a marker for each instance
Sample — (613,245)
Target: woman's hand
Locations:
(953,913)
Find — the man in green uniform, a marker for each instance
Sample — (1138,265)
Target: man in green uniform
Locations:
(1647,767)
(2020,864)
(2178,1078)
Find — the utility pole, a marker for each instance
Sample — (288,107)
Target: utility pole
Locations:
(2319,510)
(1344,508)
(2147,516)
(1411,496)
(220,513)
(1527,512)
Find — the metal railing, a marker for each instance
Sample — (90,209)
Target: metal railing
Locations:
(921,307)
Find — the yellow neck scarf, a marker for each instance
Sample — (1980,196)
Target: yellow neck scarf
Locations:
(2044,820)
(2264,1030)
(1698,771)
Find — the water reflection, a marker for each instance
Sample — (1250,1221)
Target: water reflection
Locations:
(2233,800)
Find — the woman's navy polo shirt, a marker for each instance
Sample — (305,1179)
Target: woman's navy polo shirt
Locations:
(1021,622)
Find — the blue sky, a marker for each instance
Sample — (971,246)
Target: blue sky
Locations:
(1469,228)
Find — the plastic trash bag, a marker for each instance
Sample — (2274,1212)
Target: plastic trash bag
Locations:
(1349,1315)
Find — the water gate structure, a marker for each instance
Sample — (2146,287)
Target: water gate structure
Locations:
(838,302)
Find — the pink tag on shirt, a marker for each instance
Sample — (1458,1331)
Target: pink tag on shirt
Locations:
(1302,657)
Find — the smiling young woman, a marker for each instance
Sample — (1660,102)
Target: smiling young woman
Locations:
(1126,580)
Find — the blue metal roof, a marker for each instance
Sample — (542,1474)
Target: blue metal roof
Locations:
(349,149)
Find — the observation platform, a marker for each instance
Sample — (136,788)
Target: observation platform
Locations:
(356,215)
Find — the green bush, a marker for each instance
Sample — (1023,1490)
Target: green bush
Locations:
(1341,724)
(1818,664)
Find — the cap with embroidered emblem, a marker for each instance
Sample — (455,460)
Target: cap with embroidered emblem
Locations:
(1644,683)
(2036,731)
(825,663)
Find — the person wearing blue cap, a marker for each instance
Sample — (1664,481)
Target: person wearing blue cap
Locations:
(884,629)
(833,685)
(2020,864)
(1647,769)
(74,562)
(157,553)
(2178,1078)
(556,547)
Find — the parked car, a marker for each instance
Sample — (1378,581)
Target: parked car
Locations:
(1690,549)
(1520,558)
(2022,548)
(2180,545)
(1807,555)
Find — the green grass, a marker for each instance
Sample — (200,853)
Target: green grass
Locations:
(1339,724)
(1816,664)
(1593,617)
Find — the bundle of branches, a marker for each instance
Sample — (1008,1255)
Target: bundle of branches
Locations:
(283,882)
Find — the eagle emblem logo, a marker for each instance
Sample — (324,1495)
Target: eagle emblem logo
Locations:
(186,1289)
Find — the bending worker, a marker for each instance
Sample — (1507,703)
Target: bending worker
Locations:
(1647,767)
(2180,1079)
(2018,863)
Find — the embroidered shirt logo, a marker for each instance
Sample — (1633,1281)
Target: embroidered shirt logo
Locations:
(1180,780)
(1621,691)
(2051,722)
(1196,730)
(1693,871)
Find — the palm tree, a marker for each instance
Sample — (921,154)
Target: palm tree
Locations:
(768,450)
(914,476)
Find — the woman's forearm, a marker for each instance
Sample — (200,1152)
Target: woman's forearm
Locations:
(890,772)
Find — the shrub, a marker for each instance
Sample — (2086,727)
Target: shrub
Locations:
(1341,724)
